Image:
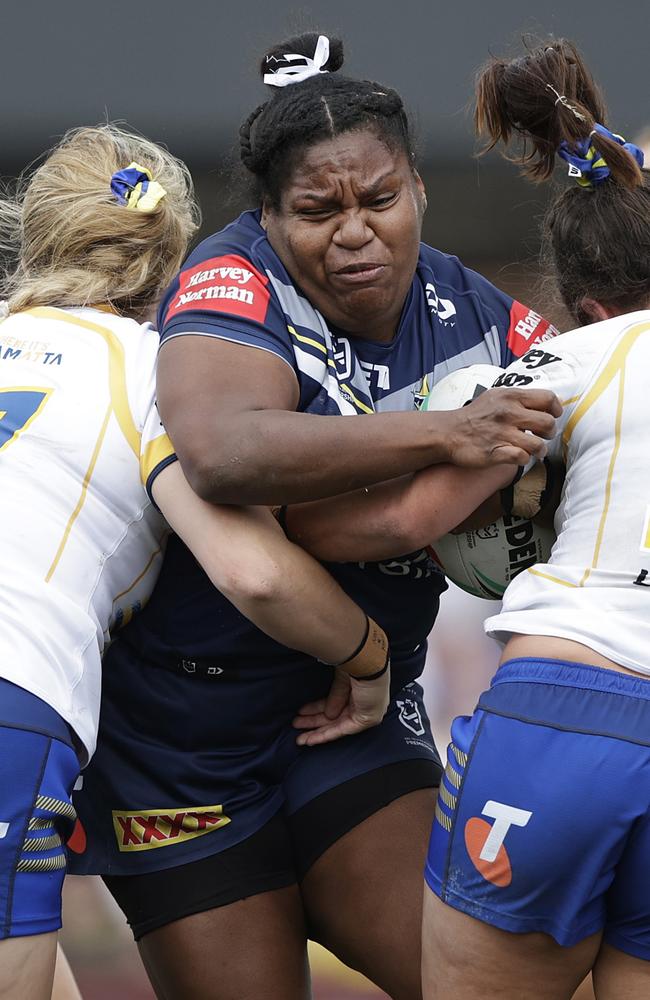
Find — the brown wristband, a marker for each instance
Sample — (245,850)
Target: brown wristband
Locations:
(371,658)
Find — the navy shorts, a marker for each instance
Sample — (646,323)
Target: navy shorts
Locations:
(38,768)
(189,766)
(543,815)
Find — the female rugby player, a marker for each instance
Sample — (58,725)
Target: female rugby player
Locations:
(539,862)
(319,306)
(99,230)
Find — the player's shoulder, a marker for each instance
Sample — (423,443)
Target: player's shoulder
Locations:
(123,335)
(599,338)
(448,271)
(240,238)
(226,275)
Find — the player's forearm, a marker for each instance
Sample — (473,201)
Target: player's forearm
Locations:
(274,456)
(387,520)
(274,583)
(304,608)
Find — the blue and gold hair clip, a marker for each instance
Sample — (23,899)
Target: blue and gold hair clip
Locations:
(134,187)
(586,164)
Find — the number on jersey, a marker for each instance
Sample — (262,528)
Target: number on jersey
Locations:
(18,407)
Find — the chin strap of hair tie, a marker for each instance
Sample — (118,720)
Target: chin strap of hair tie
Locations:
(586,164)
(294,68)
(134,187)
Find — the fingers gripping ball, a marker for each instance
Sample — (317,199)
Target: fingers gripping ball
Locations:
(484,560)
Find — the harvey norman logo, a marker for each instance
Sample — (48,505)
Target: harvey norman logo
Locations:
(228,285)
(147,829)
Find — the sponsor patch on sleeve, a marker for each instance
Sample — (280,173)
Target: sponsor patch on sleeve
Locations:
(527,328)
(229,285)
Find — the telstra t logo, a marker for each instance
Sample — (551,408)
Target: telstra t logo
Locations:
(484,841)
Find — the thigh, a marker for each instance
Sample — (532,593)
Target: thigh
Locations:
(330,789)
(259,864)
(465,957)
(620,976)
(27,967)
(254,949)
(363,896)
(627,927)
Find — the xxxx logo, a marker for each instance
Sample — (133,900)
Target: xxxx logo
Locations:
(485,841)
(150,828)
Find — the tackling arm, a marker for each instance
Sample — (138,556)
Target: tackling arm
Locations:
(229,409)
(392,518)
(277,585)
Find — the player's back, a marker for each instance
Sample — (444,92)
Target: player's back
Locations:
(595,587)
(81,540)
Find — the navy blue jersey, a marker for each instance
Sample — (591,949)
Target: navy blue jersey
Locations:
(234,287)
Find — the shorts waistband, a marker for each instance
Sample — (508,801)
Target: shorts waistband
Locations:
(20,709)
(572,696)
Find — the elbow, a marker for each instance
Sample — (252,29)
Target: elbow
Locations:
(255,586)
(214,477)
(406,530)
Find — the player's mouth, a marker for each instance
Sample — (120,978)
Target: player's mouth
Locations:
(362,273)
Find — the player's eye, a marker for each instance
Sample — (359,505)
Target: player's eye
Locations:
(382,201)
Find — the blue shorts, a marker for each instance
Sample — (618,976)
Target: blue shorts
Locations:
(543,815)
(38,768)
(187,766)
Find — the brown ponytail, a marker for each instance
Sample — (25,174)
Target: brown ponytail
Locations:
(600,235)
(547,97)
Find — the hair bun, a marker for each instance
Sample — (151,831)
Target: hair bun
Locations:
(303,45)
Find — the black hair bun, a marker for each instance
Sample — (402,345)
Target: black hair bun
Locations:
(303,45)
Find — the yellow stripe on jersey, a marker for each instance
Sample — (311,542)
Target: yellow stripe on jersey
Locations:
(610,475)
(608,374)
(306,340)
(645,538)
(84,490)
(116,370)
(155,452)
(553,579)
(613,368)
(127,612)
(362,406)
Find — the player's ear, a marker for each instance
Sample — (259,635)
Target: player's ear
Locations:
(264,218)
(595,311)
(421,190)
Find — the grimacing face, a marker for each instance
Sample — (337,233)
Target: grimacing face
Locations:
(348,230)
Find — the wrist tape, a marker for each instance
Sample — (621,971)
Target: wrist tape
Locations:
(371,658)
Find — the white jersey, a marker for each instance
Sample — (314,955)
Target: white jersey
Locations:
(595,588)
(80,437)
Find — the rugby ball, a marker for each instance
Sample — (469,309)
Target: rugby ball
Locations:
(483,561)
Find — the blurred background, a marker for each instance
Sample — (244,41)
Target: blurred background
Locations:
(186,74)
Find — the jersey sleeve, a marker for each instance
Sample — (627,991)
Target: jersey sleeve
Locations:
(156,449)
(517,327)
(560,371)
(229,298)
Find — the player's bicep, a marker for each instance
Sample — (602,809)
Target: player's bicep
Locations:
(204,382)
